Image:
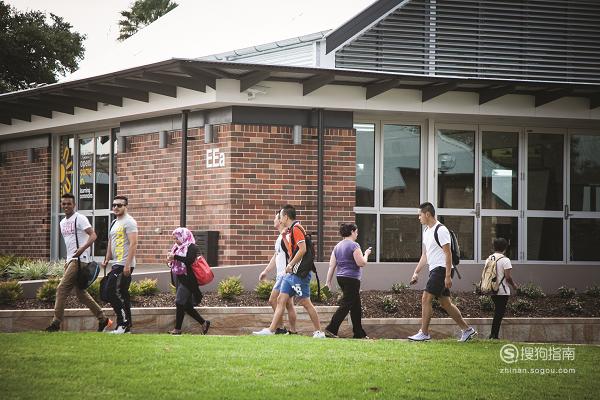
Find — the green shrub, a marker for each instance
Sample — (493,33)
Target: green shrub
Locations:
(230,287)
(10,292)
(94,289)
(566,293)
(47,292)
(399,287)
(389,304)
(8,261)
(521,305)
(532,291)
(172,288)
(263,289)
(593,291)
(56,269)
(486,303)
(145,287)
(574,305)
(325,293)
(30,270)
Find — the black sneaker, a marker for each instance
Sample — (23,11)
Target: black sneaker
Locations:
(205,327)
(330,334)
(281,331)
(53,327)
(105,324)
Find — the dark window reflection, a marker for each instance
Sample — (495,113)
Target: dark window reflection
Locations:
(584,239)
(367,233)
(545,239)
(400,238)
(102,172)
(499,227)
(456,168)
(102,232)
(463,228)
(401,165)
(365,165)
(545,172)
(500,170)
(585,173)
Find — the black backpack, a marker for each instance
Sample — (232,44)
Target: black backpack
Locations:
(307,264)
(454,248)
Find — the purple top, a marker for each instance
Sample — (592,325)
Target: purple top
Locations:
(346,266)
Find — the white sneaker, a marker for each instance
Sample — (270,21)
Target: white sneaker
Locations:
(467,334)
(419,337)
(120,330)
(319,335)
(264,332)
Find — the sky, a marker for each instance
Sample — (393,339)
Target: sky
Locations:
(196,28)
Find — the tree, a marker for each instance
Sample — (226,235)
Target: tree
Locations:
(142,13)
(34,49)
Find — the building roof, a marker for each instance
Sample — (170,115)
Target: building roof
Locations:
(164,77)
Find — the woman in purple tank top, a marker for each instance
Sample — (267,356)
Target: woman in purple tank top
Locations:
(348,259)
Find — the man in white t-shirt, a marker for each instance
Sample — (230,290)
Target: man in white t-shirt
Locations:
(279,261)
(439,259)
(78,252)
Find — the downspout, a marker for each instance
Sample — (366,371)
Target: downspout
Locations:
(320,184)
(184,140)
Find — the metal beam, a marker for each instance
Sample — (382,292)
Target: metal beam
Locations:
(435,90)
(72,101)
(5,120)
(146,85)
(316,82)
(21,115)
(378,88)
(492,93)
(95,96)
(135,94)
(545,97)
(51,105)
(181,81)
(28,106)
(252,78)
(199,75)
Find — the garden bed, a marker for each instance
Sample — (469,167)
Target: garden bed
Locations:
(407,302)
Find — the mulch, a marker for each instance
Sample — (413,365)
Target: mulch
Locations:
(407,304)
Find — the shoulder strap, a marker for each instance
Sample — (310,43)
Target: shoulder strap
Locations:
(75,230)
(435,234)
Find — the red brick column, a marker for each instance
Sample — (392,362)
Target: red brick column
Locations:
(25,204)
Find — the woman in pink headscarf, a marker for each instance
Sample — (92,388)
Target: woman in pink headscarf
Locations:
(181,257)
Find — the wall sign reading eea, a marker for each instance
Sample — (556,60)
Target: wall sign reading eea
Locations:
(214,158)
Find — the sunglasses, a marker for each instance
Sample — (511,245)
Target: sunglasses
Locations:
(118,205)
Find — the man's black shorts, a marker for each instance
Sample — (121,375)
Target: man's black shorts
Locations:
(436,285)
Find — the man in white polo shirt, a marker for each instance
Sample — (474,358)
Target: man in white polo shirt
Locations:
(439,258)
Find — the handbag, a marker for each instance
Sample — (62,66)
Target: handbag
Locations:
(86,274)
(202,271)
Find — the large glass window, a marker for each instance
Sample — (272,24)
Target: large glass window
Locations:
(464,229)
(367,233)
(67,146)
(585,173)
(584,239)
(400,238)
(102,171)
(86,174)
(499,170)
(365,165)
(545,239)
(545,155)
(456,168)
(500,227)
(401,165)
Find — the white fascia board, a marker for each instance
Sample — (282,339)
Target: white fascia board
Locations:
(113,115)
(289,94)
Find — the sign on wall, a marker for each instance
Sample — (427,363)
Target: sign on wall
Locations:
(214,158)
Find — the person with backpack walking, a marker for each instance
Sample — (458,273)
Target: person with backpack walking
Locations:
(121,249)
(439,259)
(279,261)
(349,260)
(188,295)
(297,280)
(496,280)
(75,229)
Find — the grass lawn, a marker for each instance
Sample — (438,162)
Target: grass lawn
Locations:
(93,365)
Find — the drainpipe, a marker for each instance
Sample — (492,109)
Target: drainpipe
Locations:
(184,140)
(320,184)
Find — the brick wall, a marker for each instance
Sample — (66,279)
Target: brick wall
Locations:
(263,171)
(25,204)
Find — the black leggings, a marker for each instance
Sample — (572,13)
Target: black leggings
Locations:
(186,308)
(119,295)
(499,311)
(350,303)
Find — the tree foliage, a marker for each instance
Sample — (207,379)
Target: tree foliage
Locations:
(142,13)
(34,49)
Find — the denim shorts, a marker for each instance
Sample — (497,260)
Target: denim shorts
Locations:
(278,282)
(293,285)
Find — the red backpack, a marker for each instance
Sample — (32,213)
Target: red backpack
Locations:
(202,271)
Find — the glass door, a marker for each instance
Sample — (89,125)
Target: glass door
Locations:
(456,177)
